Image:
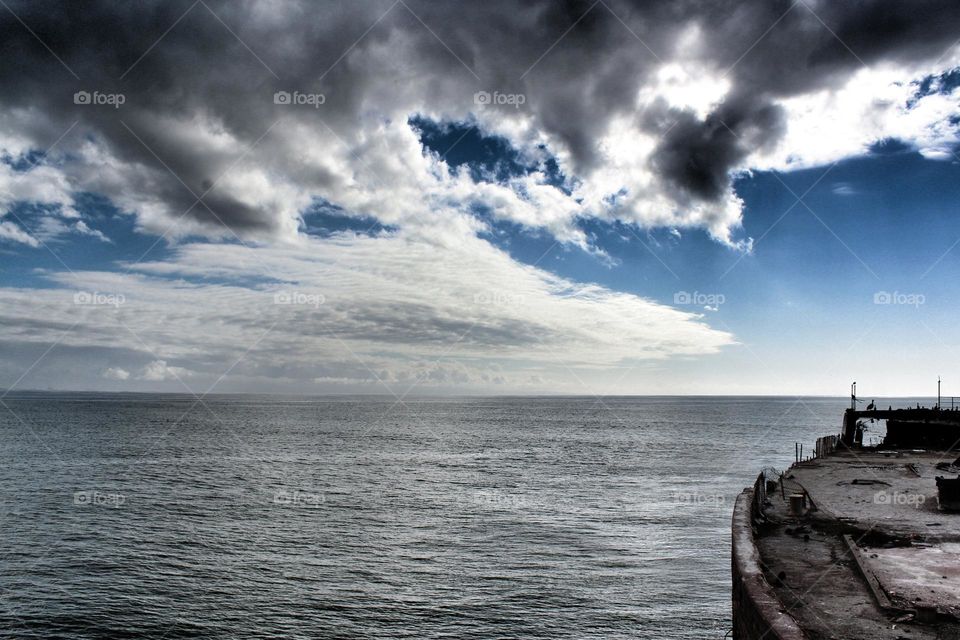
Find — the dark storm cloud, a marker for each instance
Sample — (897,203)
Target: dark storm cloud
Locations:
(224,60)
(695,157)
(792,52)
(872,30)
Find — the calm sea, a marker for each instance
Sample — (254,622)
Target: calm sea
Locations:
(157,516)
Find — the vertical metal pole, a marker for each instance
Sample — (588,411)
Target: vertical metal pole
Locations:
(938,392)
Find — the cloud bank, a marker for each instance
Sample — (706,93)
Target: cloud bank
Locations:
(650,107)
(218,124)
(356,313)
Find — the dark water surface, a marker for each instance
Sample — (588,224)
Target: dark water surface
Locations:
(158,517)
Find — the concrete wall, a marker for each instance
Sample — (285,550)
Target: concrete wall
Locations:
(757,613)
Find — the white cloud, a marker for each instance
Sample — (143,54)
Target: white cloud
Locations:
(874,104)
(843,189)
(159,371)
(39,184)
(115,373)
(357,310)
(10,231)
(81,227)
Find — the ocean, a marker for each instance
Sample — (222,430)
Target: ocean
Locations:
(161,516)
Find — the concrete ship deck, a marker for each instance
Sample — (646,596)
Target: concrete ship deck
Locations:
(870,555)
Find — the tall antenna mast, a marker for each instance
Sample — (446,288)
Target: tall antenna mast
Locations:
(938,392)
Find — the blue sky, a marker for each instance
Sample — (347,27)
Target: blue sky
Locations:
(443,217)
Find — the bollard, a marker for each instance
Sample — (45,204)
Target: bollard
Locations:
(796,504)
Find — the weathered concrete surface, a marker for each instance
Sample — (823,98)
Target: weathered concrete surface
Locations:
(886,502)
(757,613)
(922,576)
(879,490)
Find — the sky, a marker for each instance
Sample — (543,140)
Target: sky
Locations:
(426,198)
